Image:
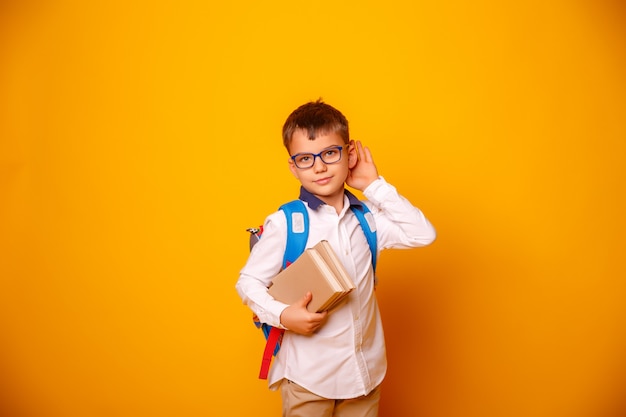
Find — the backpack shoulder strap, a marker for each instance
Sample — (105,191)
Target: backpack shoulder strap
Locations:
(297,236)
(366,219)
(297,230)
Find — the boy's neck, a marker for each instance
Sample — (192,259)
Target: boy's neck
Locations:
(335,201)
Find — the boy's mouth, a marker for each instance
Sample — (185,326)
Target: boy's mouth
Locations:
(323,181)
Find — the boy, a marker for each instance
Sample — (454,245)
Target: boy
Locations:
(330,364)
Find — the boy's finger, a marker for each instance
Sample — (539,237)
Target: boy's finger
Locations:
(307,299)
(367,154)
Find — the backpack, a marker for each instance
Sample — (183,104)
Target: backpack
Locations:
(297,236)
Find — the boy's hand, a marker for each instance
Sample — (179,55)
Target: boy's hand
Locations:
(364,172)
(297,318)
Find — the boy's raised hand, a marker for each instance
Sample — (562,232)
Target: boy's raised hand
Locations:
(364,171)
(297,318)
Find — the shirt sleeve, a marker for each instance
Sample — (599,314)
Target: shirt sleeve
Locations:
(264,263)
(399,224)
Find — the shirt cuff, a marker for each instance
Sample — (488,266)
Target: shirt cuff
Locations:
(276,312)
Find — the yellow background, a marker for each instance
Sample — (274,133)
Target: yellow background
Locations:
(139,139)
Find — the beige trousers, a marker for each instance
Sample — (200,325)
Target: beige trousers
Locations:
(298,402)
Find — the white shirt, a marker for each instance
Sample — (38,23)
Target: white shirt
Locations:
(345,358)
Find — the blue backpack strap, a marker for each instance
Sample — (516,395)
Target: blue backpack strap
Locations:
(366,220)
(297,236)
(297,230)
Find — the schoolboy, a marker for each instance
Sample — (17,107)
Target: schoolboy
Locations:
(331,364)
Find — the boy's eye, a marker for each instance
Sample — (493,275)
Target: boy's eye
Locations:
(304,158)
(330,153)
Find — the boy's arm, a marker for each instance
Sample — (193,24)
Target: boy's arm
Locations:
(399,223)
(263,264)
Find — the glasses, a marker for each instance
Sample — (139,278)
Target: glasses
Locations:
(328,156)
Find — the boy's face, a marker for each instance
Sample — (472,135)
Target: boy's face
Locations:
(326,181)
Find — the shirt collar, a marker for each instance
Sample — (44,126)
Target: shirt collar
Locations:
(315,202)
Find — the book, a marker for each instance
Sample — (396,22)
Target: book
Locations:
(317,270)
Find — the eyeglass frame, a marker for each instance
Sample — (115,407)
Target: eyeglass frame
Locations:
(318,155)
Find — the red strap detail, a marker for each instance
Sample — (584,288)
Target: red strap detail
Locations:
(272,340)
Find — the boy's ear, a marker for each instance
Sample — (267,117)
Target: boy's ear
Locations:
(293,168)
(352,155)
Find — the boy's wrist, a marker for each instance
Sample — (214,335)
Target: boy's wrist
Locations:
(280,320)
(371,186)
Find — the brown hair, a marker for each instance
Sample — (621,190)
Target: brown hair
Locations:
(315,117)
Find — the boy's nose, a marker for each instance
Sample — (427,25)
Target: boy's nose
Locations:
(319,165)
